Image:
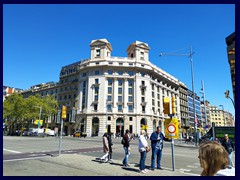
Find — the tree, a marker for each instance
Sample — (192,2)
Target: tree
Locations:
(20,112)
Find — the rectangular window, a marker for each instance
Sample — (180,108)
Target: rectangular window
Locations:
(110,72)
(95,107)
(130,118)
(110,82)
(96,90)
(109,107)
(109,98)
(119,90)
(130,108)
(119,107)
(130,99)
(143,108)
(120,82)
(98,53)
(109,90)
(96,98)
(130,91)
(96,81)
(143,99)
(119,98)
(120,64)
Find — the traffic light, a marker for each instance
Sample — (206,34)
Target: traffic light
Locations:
(173,105)
(166,104)
(64,112)
(227,94)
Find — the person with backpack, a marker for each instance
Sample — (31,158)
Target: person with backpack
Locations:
(126,146)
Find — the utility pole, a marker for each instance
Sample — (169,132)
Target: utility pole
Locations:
(192,76)
(205,112)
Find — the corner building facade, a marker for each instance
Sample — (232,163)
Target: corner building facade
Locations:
(119,93)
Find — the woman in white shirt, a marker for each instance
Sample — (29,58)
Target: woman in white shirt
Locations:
(142,145)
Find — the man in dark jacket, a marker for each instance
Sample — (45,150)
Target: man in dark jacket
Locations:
(229,146)
(125,142)
(157,139)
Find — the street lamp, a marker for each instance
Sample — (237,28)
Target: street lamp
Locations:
(205,113)
(224,120)
(40,112)
(192,76)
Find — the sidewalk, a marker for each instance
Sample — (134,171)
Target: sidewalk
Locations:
(78,165)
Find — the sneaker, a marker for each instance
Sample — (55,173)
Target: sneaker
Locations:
(160,168)
(152,169)
(146,170)
(142,171)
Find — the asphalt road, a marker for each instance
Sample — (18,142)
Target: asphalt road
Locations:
(19,148)
(26,148)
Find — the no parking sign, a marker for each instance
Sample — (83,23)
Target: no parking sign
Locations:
(171,128)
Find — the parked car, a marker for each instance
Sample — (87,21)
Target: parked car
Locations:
(79,134)
(49,132)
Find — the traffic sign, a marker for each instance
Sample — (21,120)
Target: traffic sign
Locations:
(171,128)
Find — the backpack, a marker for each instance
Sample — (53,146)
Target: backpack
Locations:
(123,141)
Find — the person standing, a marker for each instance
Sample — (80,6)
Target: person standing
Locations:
(157,139)
(126,146)
(229,146)
(142,146)
(105,148)
(110,144)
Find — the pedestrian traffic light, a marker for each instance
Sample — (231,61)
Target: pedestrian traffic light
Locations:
(166,109)
(173,105)
(227,94)
(64,112)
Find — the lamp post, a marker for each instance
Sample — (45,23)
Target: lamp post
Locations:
(224,120)
(192,76)
(40,112)
(203,93)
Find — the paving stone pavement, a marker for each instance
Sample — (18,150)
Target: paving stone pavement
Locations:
(78,165)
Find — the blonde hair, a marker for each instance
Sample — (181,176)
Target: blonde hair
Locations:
(213,157)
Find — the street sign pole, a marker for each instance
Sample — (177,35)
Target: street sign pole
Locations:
(173,157)
(60,138)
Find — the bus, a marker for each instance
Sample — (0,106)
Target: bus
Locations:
(220,131)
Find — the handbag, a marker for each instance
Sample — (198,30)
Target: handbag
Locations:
(148,148)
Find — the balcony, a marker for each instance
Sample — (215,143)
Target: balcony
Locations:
(143,103)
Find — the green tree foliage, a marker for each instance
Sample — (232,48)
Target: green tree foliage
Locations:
(17,110)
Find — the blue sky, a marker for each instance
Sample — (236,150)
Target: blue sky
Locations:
(39,39)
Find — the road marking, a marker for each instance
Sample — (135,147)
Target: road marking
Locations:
(180,155)
(22,159)
(184,169)
(11,151)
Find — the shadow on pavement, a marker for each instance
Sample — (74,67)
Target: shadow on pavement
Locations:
(117,164)
(130,169)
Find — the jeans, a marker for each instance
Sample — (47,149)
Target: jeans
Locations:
(158,153)
(230,159)
(127,154)
(142,160)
